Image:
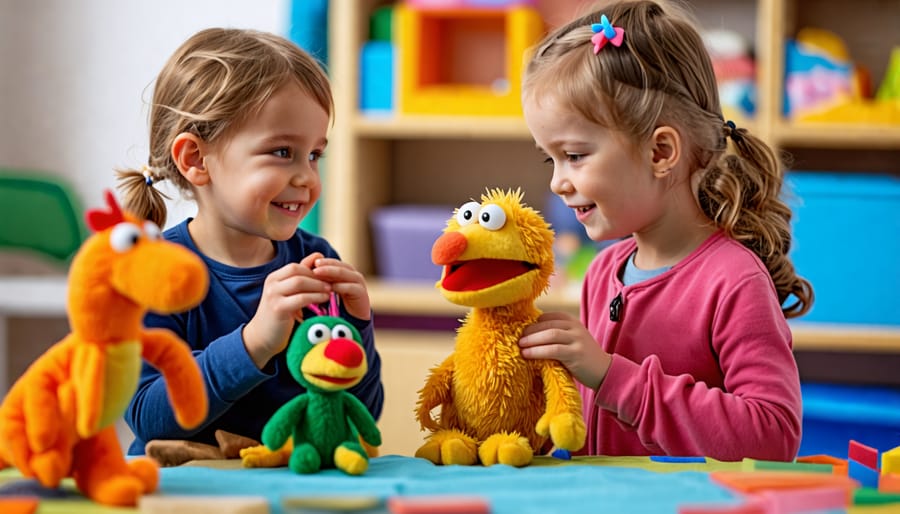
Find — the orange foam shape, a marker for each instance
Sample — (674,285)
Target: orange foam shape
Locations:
(838,466)
(752,482)
(18,505)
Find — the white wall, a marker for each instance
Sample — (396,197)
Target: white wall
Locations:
(76,79)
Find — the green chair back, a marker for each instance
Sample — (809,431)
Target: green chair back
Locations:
(38,212)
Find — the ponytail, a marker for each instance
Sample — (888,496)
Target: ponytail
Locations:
(740,193)
(140,197)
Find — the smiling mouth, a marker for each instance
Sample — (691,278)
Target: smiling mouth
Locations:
(583,208)
(287,206)
(334,380)
(479,274)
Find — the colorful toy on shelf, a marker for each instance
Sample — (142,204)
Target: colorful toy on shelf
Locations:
(818,72)
(735,71)
(58,419)
(463,60)
(324,424)
(455,4)
(822,84)
(495,406)
(890,86)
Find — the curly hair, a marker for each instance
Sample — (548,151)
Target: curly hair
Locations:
(662,75)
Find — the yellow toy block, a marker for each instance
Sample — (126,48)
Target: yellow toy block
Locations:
(890,461)
(440,52)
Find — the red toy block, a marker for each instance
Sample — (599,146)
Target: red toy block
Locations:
(438,505)
(865,455)
(806,500)
(838,466)
(889,483)
(751,506)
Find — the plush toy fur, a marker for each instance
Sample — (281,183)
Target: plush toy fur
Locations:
(496,406)
(58,418)
(326,426)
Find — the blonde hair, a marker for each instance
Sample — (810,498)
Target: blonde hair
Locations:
(662,75)
(211,84)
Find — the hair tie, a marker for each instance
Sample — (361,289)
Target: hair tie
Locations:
(605,32)
(148,175)
(733,132)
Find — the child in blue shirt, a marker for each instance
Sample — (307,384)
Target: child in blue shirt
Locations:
(238,122)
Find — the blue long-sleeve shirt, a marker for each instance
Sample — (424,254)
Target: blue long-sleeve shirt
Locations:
(242,397)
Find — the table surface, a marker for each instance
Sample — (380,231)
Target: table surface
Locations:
(581,485)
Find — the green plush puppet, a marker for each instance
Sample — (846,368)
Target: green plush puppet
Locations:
(325,355)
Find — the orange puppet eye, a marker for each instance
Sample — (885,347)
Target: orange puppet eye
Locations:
(152,231)
(124,236)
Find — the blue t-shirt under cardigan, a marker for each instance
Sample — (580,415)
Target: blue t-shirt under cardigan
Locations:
(241,397)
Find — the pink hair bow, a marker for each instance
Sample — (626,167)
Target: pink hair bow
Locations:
(605,32)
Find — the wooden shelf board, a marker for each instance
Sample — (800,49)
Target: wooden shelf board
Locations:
(422,299)
(831,135)
(845,338)
(391,126)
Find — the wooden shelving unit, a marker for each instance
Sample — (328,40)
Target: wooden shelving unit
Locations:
(380,160)
(394,159)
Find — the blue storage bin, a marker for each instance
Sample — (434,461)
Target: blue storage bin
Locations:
(376,76)
(834,414)
(846,241)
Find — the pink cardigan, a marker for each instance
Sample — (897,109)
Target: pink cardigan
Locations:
(702,362)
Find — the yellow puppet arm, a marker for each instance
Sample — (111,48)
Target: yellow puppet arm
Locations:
(184,383)
(435,392)
(562,420)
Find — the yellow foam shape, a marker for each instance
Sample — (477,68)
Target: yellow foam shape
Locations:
(422,62)
(157,504)
(890,461)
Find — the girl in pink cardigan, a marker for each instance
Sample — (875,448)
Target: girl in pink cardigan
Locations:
(683,347)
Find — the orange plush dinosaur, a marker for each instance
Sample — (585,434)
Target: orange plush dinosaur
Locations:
(58,418)
(496,406)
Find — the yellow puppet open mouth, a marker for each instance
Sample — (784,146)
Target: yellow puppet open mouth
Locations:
(479,274)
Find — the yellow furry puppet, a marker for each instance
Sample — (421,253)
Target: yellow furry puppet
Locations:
(58,418)
(496,407)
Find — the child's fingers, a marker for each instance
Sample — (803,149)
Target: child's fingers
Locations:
(338,275)
(310,260)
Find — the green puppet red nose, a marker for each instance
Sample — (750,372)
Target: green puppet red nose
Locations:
(345,352)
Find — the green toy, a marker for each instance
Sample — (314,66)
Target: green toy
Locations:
(325,355)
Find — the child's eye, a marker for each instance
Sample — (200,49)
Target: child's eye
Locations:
(548,160)
(284,153)
(315,155)
(574,157)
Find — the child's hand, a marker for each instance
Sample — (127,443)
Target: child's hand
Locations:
(286,292)
(348,283)
(560,336)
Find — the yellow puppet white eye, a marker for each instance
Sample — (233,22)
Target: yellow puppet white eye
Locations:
(492,217)
(124,236)
(466,214)
(318,333)
(341,332)
(152,230)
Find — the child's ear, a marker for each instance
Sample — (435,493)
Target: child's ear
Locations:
(665,148)
(187,152)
